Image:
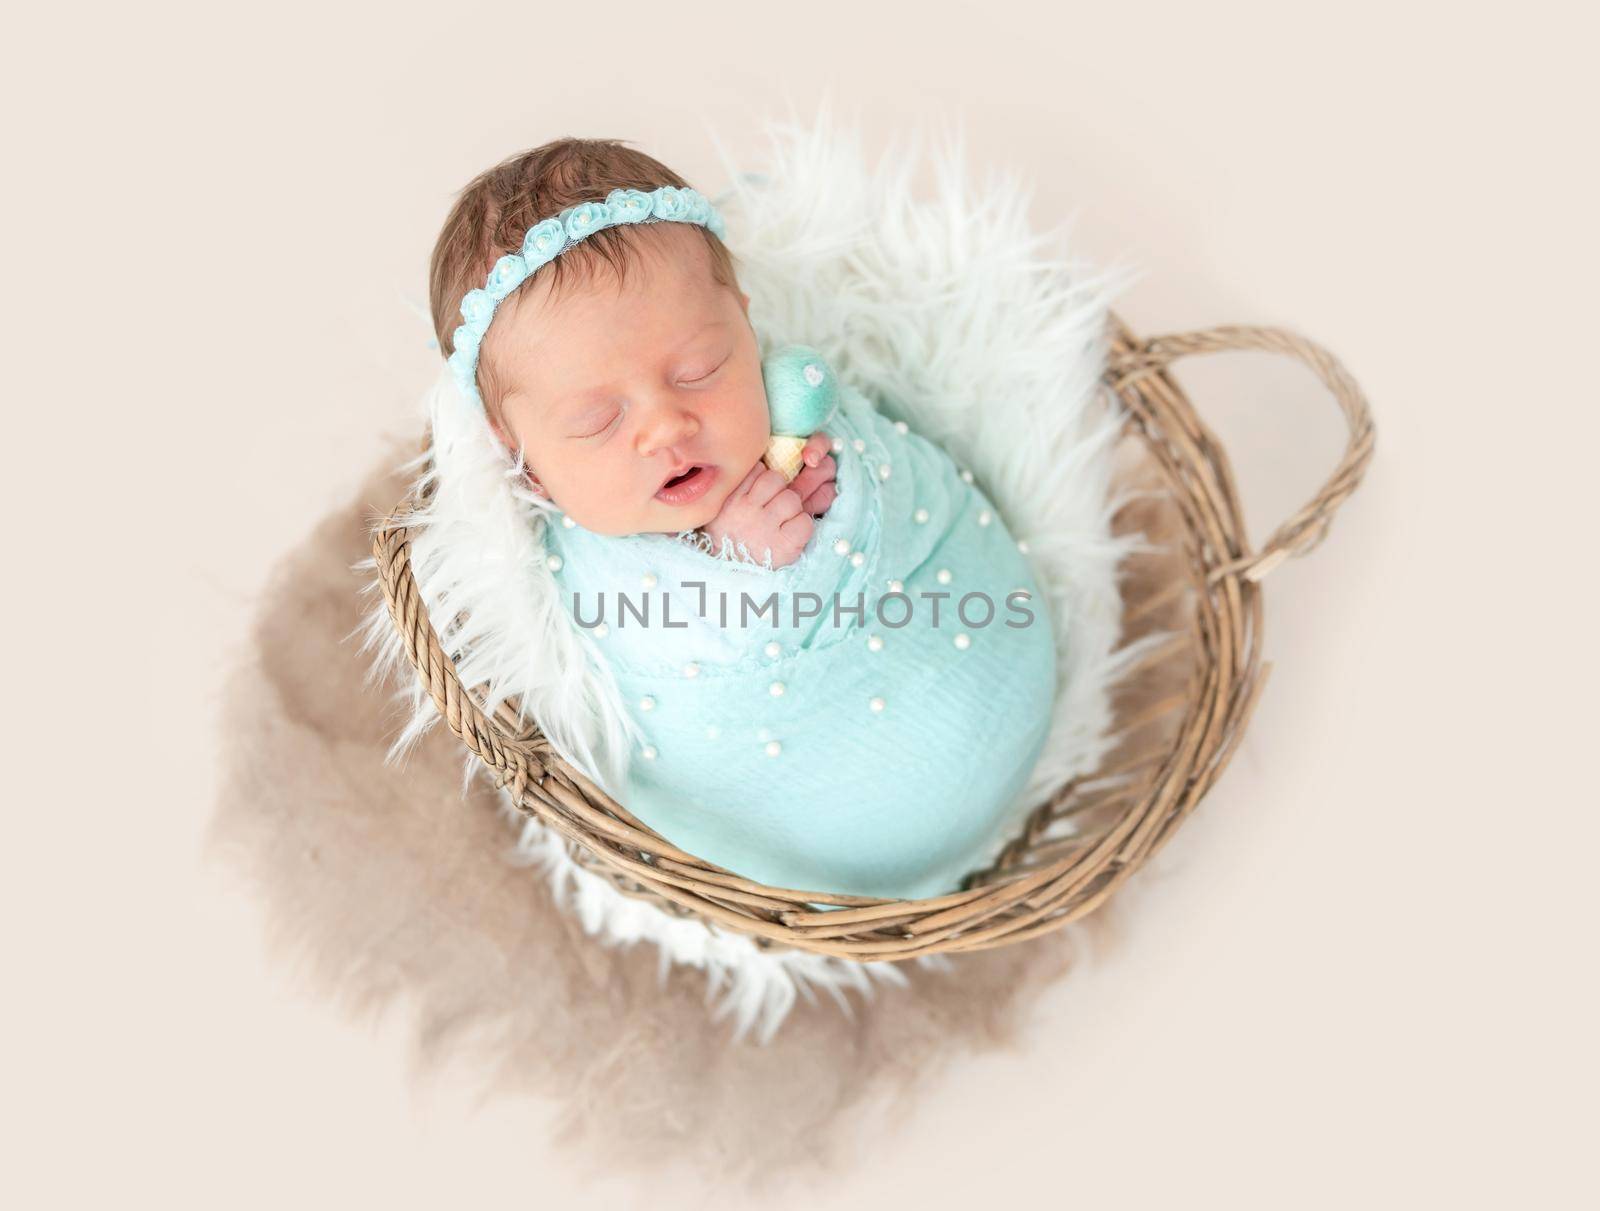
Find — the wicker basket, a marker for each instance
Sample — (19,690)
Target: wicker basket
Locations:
(1178,721)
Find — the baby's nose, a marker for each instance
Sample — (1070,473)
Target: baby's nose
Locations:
(669,424)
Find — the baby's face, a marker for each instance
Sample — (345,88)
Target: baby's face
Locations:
(611,395)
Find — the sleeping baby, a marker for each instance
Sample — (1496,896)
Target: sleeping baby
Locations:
(834,655)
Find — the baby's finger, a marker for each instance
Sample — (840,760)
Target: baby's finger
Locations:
(797,529)
(825,494)
(785,504)
(750,477)
(810,478)
(818,444)
(768,484)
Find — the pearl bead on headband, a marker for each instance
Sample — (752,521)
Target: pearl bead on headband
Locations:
(547,240)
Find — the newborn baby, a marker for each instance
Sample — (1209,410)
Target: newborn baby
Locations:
(839,680)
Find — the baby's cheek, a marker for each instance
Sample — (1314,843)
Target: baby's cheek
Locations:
(758,425)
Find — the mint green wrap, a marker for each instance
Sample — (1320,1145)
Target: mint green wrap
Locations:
(857,756)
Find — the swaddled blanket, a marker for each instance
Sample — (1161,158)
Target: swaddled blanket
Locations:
(860,721)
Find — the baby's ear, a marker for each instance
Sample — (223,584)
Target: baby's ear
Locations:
(499,434)
(510,447)
(532,480)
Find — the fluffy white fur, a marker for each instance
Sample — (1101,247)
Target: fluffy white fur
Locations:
(956,318)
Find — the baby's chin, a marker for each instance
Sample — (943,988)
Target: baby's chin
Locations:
(675,520)
(655,517)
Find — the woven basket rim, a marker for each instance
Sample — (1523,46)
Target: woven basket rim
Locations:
(998,908)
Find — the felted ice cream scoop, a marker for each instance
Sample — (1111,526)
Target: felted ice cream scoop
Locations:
(802,393)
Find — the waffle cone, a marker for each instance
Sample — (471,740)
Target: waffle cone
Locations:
(783,454)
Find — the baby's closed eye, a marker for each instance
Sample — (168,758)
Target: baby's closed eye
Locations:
(704,373)
(596,425)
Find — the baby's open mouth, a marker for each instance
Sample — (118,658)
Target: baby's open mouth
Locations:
(681,489)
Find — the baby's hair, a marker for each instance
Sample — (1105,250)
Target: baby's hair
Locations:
(497,207)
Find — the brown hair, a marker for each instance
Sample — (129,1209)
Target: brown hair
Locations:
(497,207)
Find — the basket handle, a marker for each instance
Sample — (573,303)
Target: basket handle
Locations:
(1309,524)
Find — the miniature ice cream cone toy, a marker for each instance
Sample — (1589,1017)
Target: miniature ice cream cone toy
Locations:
(802,393)
(783,454)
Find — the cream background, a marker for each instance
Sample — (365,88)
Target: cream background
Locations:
(1364,973)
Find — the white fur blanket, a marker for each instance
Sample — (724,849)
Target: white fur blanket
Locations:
(954,316)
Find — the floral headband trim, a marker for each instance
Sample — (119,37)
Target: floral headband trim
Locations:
(547,240)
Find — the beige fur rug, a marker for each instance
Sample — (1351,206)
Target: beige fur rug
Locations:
(384,889)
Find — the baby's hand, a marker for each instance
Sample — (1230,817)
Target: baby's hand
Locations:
(815,483)
(765,513)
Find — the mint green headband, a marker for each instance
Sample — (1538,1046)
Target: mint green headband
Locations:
(547,240)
